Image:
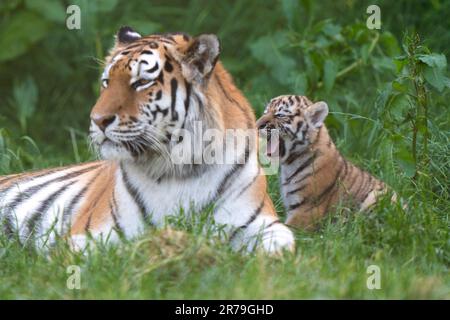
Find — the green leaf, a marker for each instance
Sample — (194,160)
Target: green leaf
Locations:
(398,106)
(290,10)
(365,52)
(105,5)
(268,51)
(300,84)
(50,9)
(330,70)
(25,97)
(8,5)
(436,78)
(19,33)
(383,63)
(434,60)
(390,44)
(331,29)
(406,161)
(399,87)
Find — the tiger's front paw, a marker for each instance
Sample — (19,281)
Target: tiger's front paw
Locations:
(278,238)
(271,237)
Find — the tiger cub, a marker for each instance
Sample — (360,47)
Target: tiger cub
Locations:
(314,175)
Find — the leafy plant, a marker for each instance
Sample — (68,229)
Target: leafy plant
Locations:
(24,101)
(405,102)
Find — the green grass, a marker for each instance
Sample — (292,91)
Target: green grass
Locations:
(410,246)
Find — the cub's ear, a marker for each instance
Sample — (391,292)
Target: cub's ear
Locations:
(317,113)
(200,57)
(126,35)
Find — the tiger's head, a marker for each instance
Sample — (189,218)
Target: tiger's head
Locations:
(149,87)
(297,120)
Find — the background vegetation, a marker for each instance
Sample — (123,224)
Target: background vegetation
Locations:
(388,91)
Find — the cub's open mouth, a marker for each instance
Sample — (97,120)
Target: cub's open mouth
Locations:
(274,143)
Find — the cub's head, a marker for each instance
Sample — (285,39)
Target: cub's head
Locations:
(149,87)
(297,120)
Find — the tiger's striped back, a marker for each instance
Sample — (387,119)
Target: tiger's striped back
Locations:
(38,205)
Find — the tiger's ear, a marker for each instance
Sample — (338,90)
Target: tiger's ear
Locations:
(126,35)
(200,57)
(317,113)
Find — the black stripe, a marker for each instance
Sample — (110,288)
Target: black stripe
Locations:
(291,102)
(304,177)
(28,193)
(297,189)
(352,181)
(295,205)
(187,101)
(7,225)
(168,66)
(160,78)
(370,188)
(133,192)
(252,218)
(305,164)
(234,101)
(173,93)
(234,170)
(219,82)
(68,210)
(113,207)
(294,156)
(248,185)
(318,200)
(153,69)
(28,176)
(345,168)
(273,223)
(297,142)
(304,131)
(363,182)
(100,194)
(33,223)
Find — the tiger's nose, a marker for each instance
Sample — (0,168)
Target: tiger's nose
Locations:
(103,121)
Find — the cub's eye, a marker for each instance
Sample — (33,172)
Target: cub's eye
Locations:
(141,83)
(105,83)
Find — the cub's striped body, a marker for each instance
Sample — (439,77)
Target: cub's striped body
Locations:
(152,87)
(314,175)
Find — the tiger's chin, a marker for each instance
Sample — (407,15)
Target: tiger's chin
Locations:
(109,150)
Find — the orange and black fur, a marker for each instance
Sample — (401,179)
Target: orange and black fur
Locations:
(153,89)
(315,177)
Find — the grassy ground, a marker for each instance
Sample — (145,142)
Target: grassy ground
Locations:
(409,246)
(49,81)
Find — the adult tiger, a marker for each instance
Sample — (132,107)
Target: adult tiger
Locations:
(152,88)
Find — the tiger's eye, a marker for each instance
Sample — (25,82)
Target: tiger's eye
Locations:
(140,83)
